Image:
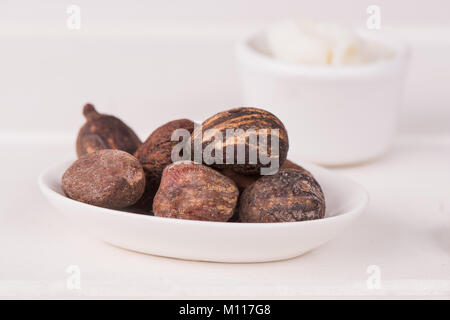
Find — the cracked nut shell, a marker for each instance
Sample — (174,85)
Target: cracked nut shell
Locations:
(105,178)
(287,196)
(155,154)
(243,118)
(103,131)
(196,192)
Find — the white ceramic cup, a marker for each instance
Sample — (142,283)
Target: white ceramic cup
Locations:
(334,115)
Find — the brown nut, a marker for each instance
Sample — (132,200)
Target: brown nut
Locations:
(261,121)
(155,154)
(105,178)
(102,131)
(243,181)
(288,164)
(289,195)
(193,191)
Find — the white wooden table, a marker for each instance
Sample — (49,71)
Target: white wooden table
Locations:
(404,238)
(149,74)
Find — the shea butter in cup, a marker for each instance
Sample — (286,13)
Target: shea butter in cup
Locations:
(318,43)
(337,90)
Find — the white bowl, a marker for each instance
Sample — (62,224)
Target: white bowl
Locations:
(335,115)
(213,241)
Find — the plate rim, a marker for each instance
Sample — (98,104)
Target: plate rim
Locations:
(358,209)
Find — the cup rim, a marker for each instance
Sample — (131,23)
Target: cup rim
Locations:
(250,56)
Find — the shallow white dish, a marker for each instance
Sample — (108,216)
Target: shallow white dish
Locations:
(214,241)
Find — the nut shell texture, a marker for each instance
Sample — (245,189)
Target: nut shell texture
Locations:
(243,181)
(195,192)
(105,178)
(288,164)
(155,154)
(104,132)
(244,118)
(287,196)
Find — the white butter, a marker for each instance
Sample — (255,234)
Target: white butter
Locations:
(313,42)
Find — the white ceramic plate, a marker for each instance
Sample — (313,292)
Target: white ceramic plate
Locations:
(214,241)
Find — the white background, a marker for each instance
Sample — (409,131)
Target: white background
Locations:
(153,61)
